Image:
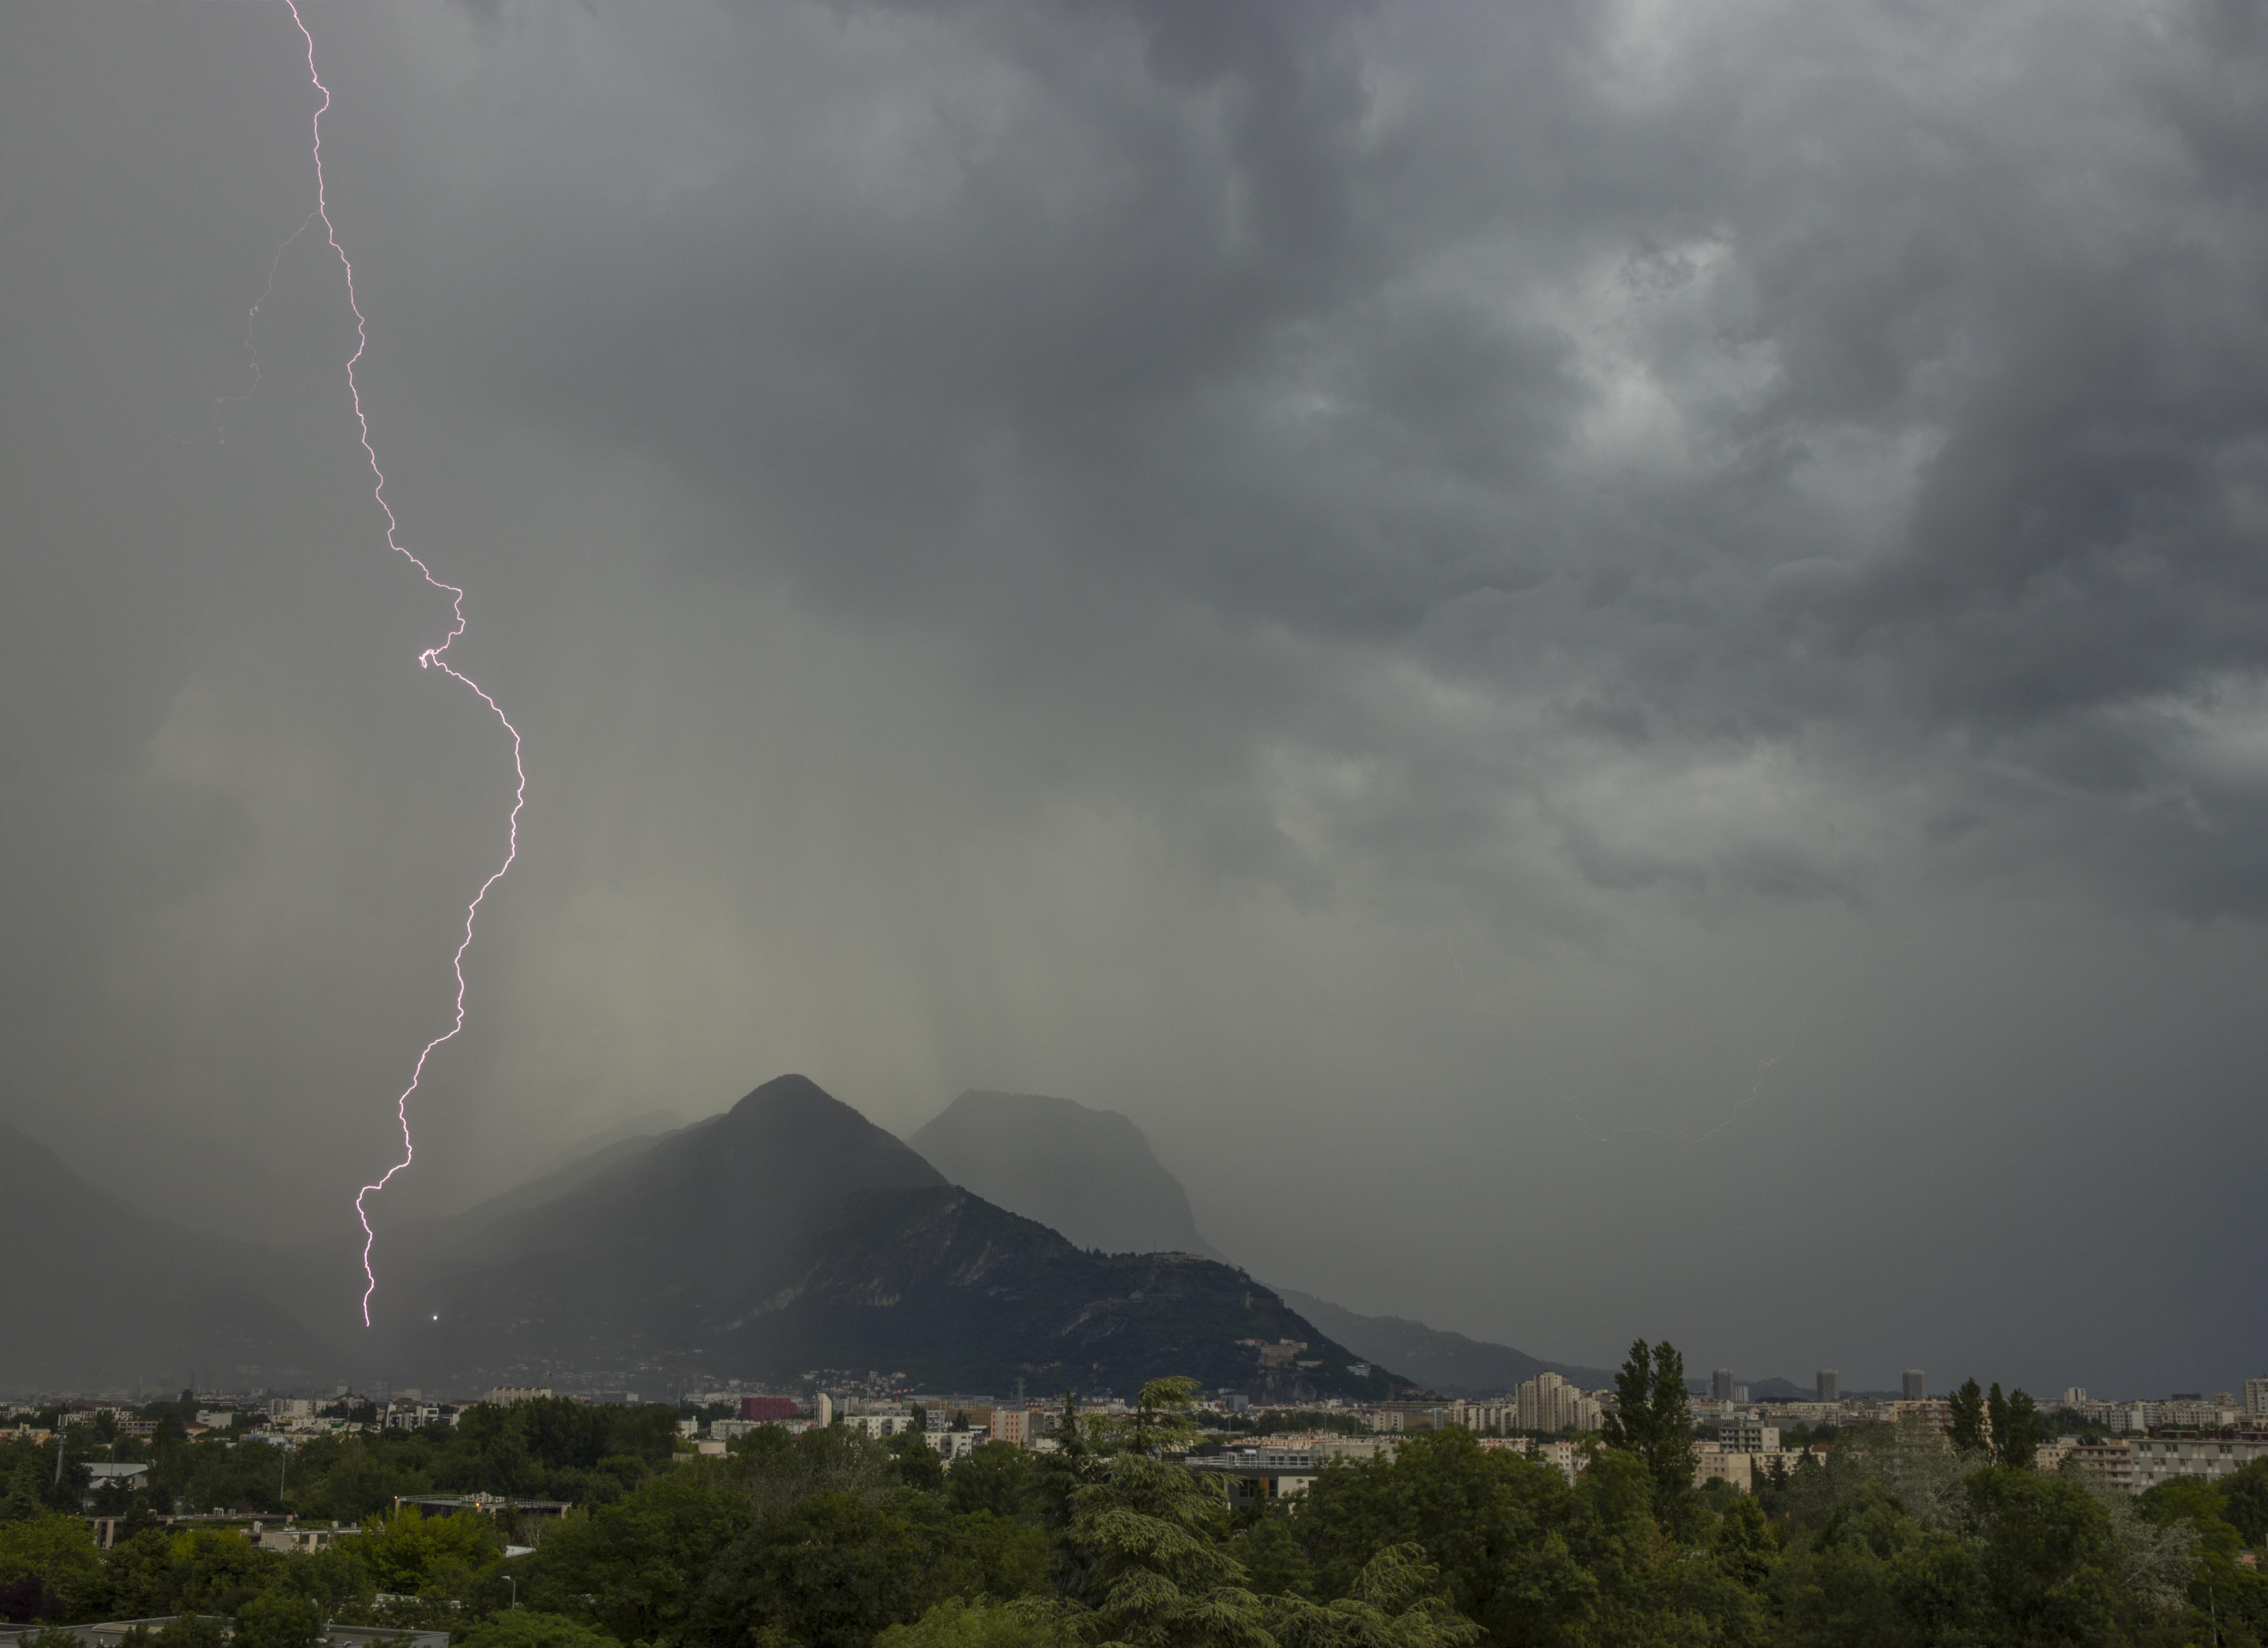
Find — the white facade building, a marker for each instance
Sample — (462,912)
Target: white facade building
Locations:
(956,1445)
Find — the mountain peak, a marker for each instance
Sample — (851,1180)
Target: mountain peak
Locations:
(1089,1173)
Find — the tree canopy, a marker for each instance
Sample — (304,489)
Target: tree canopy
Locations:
(831,1538)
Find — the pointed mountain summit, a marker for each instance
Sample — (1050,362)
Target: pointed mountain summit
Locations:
(1088,1173)
(790,1233)
(728,1192)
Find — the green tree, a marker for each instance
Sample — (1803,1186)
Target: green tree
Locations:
(50,1570)
(2045,1551)
(1745,1549)
(1395,1602)
(1653,1419)
(20,1501)
(2244,1502)
(957,1623)
(1160,1421)
(836,1569)
(193,1630)
(524,1628)
(2015,1422)
(1270,1554)
(411,1554)
(275,1619)
(918,1463)
(1162,1414)
(332,1578)
(775,1471)
(1512,1541)
(1968,1427)
(995,1477)
(142,1579)
(1147,1550)
(634,1569)
(57,1636)
(217,1571)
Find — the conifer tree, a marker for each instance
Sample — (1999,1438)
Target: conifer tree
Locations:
(1968,1427)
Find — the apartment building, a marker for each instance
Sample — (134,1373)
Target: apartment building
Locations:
(2205,1454)
(1022,1427)
(1549,1402)
(1748,1436)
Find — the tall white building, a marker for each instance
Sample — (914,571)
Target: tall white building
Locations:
(1549,1402)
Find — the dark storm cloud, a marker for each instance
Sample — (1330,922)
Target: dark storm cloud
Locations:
(1513,568)
(1100,318)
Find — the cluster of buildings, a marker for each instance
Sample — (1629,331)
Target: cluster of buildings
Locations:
(954,1423)
(1546,1402)
(2131,1445)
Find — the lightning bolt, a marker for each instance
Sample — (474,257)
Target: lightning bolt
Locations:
(432,658)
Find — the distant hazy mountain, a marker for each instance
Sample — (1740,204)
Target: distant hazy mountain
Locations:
(99,1297)
(791,1234)
(1441,1361)
(1088,1173)
(1092,1175)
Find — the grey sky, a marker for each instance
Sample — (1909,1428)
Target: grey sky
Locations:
(1606,661)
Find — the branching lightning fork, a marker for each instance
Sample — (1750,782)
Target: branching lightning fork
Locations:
(432,658)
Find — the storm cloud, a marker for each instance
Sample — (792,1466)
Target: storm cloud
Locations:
(1606,660)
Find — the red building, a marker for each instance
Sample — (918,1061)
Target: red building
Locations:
(766,1408)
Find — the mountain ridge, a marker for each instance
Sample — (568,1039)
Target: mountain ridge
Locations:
(790,1234)
(1440,1360)
(1093,1175)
